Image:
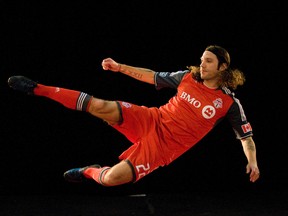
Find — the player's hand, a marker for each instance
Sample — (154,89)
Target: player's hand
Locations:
(254,172)
(110,64)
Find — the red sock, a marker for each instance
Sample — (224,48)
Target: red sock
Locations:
(69,98)
(97,174)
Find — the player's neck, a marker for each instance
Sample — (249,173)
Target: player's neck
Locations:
(211,84)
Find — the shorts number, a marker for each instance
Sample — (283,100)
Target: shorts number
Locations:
(143,170)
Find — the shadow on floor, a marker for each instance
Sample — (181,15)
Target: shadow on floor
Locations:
(198,204)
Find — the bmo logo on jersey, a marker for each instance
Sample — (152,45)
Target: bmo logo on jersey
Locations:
(190,100)
(208,111)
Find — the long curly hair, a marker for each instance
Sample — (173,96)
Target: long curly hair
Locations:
(230,78)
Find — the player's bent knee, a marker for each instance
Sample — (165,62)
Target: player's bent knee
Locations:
(112,178)
(120,173)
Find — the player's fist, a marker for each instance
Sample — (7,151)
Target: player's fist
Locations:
(110,64)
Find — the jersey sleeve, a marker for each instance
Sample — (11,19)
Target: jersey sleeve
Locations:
(168,79)
(238,120)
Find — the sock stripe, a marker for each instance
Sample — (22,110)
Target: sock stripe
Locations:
(82,101)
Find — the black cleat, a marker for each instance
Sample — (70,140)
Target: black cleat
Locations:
(76,174)
(23,84)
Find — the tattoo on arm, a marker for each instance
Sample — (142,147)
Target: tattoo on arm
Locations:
(134,74)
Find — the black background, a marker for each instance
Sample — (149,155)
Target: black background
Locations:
(63,43)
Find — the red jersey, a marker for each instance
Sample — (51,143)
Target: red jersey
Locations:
(160,135)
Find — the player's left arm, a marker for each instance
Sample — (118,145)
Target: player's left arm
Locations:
(249,149)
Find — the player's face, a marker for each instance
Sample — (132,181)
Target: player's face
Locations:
(209,66)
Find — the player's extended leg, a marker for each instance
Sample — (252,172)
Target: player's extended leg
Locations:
(106,110)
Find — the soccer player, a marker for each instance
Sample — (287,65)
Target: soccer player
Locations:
(159,135)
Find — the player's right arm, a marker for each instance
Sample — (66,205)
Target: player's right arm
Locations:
(142,74)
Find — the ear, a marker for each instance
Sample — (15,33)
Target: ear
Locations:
(223,66)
